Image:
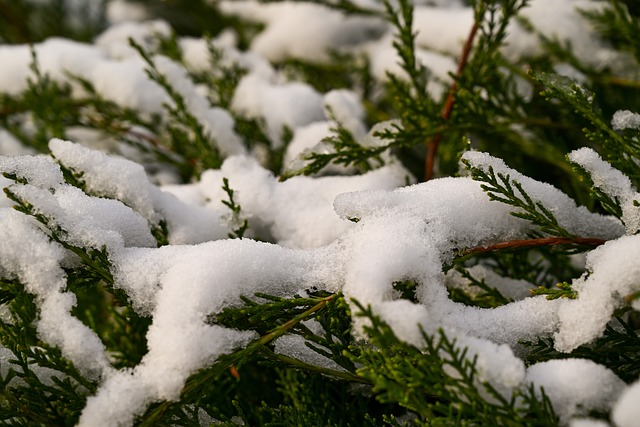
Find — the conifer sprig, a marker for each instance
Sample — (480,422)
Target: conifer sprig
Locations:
(562,290)
(188,136)
(241,224)
(343,149)
(622,152)
(485,297)
(502,188)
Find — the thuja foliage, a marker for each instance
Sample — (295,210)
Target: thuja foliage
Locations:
(380,380)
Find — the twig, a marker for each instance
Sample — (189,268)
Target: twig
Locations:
(280,330)
(343,375)
(447,108)
(543,241)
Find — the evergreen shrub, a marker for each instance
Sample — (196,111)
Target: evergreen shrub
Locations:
(320,213)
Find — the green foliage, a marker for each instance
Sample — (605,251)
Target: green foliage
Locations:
(411,101)
(38,385)
(439,383)
(484,295)
(564,290)
(188,137)
(619,150)
(241,224)
(619,24)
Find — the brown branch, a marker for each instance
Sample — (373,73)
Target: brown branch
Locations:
(543,241)
(447,108)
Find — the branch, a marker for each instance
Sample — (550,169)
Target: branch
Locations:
(543,241)
(447,108)
(232,362)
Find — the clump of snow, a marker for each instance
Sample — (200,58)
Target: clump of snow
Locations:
(54,56)
(625,119)
(346,108)
(575,386)
(125,180)
(613,183)
(495,364)
(287,104)
(626,410)
(303,30)
(613,275)
(40,171)
(217,122)
(565,22)
(297,213)
(342,107)
(10,146)
(431,23)
(115,40)
(118,11)
(192,282)
(587,422)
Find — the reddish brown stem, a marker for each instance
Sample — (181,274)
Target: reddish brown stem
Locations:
(543,241)
(447,108)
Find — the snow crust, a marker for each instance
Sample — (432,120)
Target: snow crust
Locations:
(402,231)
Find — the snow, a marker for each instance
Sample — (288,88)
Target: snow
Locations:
(280,104)
(302,30)
(613,275)
(575,219)
(575,386)
(401,234)
(114,42)
(626,411)
(495,364)
(122,11)
(55,324)
(587,422)
(307,223)
(625,119)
